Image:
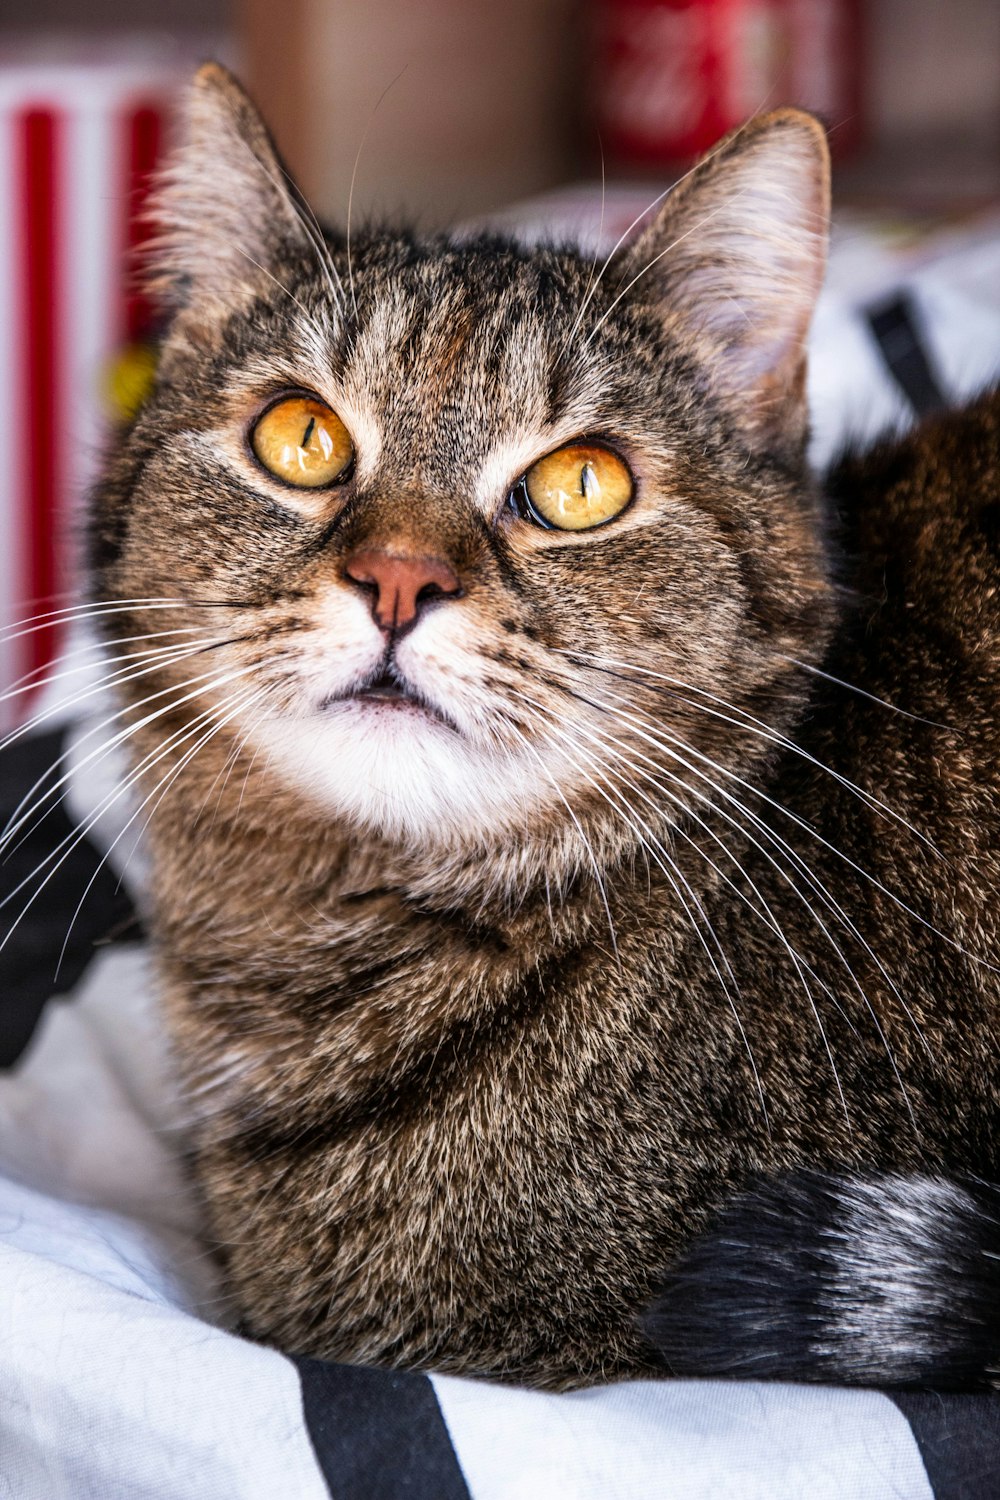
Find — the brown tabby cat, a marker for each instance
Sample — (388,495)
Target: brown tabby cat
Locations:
(527,881)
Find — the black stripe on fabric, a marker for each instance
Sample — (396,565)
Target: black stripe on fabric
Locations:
(896,329)
(378,1434)
(959,1441)
(29,958)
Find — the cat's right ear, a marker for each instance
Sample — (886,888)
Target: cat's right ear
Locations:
(733,263)
(224,209)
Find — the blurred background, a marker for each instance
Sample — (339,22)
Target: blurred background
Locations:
(438,110)
(464,105)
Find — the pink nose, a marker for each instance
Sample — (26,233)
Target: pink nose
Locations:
(402,584)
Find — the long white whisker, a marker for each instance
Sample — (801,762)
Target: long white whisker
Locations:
(606,741)
(663,739)
(644,214)
(350,195)
(676,877)
(72,840)
(107,802)
(797,963)
(649,266)
(239,747)
(763,731)
(282,288)
(235,706)
(814,881)
(592,276)
(863,693)
(297,208)
(825,843)
(56,618)
(586,842)
(40,677)
(111,680)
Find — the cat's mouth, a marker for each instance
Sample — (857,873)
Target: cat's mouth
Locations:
(387,688)
(389,692)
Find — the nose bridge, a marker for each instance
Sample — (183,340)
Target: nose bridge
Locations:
(410,515)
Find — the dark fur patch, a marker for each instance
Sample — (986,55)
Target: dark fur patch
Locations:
(885,1281)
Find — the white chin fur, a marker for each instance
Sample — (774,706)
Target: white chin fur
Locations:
(397,771)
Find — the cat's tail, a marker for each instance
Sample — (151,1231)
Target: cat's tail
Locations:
(880,1280)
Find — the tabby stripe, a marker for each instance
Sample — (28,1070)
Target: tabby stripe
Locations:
(449,1060)
(378,1434)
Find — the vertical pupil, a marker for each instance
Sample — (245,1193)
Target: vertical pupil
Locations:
(308,433)
(588,481)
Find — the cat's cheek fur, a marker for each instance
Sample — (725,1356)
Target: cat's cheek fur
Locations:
(341,648)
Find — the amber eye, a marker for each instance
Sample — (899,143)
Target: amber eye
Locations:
(301,441)
(577,487)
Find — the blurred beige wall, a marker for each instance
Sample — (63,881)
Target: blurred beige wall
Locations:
(464,105)
(934,68)
(461,105)
(486,97)
(933,102)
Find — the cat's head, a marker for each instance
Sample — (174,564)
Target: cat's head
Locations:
(490,540)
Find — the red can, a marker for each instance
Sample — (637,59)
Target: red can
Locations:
(671,76)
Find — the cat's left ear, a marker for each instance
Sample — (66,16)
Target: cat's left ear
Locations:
(225,210)
(734,262)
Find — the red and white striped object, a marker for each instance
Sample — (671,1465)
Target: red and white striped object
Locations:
(77,143)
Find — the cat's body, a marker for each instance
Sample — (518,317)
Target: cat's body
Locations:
(470,1062)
